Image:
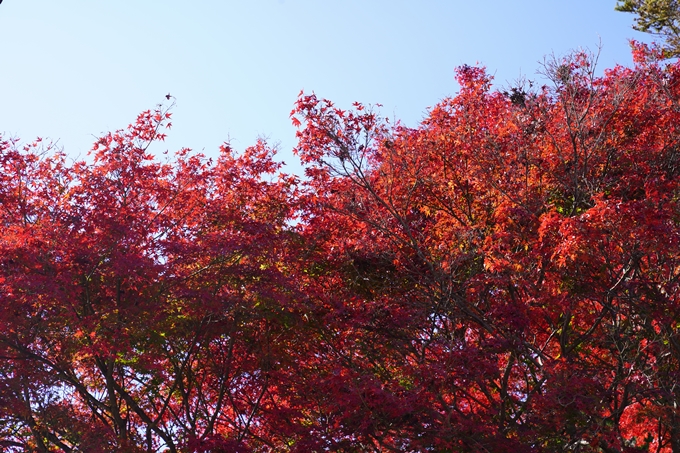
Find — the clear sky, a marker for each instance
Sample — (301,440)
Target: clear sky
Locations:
(73,69)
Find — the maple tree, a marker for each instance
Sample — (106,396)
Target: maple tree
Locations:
(509,267)
(129,315)
(503,277)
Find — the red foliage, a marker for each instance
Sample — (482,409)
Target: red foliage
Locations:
(502,278)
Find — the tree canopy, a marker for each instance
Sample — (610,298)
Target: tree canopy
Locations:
(502,278)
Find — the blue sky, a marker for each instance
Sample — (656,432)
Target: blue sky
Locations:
(73,69)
